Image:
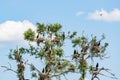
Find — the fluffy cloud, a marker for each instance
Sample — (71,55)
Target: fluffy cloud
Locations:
(104,15)
(12,31)
(79,13)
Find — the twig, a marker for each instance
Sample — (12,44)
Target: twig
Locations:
(109,72)
(108,76)
(65,76)
(95,77)
(8,69)
(34,67)
(62,73)
(9,64)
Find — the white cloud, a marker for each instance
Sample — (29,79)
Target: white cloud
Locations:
(12,31)
(104,15)
(79,13)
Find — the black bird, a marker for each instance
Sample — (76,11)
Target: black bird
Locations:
(59,63)
(75,51)
(97,65)
(37,36)
(59,66)
(74,54)
(63,36)
(43,70)
(98,43)
(48,29)
(46,49)
(46,68)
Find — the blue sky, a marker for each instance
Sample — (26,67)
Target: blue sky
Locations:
(18,15)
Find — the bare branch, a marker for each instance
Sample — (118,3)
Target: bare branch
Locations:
(65,76)
(34,67)
(9,65)
(8,69)
(109,72)
(62,73)
(108,76)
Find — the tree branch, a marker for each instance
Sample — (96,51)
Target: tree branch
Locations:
(34,67)
(108,76)
(62,73)
(8,69)
(65,76)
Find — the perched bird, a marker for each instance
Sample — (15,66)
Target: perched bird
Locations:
(75,55)
(97,65)
(98,43)
(46,68)
(59,63)
(96,70)
(75,51)
(59,66)
(37,36)
(43,70)
(63,36)
(46,49)
(48,29)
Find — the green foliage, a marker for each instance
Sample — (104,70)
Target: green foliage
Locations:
(21,50)
(65,64)
(73,34)
(84,40)
(76,41)
(10,56)
(29,35)
(54,27)
(32,50)
(81,79)
(34,75)
(32,68)
(16,55)
(59,52)
(103,49)
(41,28)
(83,66)
(49,49)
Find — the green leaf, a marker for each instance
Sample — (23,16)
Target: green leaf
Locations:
(76,41)
(83,40)
(34,75)
(59,52)
(54,27)
(21,50)
(10,56)
(73,34)
(65,63)
(29,35)
(40,27)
